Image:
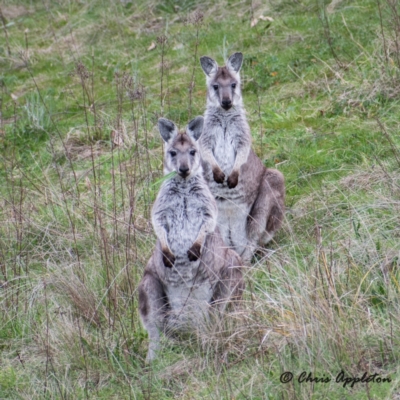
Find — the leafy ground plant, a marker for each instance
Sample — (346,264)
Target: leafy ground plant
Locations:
(82,87)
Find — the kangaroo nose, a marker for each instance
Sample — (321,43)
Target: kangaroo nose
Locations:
(183,170)
(226,104)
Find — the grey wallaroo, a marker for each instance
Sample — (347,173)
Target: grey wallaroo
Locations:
(190,269)
(250,197)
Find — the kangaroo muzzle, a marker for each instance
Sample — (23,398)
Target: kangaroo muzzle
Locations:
(183,171)
(226,104)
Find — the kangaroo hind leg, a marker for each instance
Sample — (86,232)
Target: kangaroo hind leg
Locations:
(152,309)
(275,197)
(230,286)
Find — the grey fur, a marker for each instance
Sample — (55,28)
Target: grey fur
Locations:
(209,65)
(190,268)
(250,197)
(195,127)
(234,62)
(167,129)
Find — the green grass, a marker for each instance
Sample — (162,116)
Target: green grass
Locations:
(82,88)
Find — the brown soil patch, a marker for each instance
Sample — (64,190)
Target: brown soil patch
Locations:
(12,11)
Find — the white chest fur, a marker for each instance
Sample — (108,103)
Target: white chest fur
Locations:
(183,219)
(225,149)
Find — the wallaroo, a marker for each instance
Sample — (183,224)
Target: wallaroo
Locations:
(190,269)
(250,197)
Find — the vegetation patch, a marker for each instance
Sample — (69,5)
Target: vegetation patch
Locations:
(82,87)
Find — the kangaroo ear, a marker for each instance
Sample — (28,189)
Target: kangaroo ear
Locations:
(167,128)
(195,127)
(235,62)
(210,67)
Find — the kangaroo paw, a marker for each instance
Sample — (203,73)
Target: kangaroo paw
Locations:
(233,179)
(194,252)
(168,258)
(219,176)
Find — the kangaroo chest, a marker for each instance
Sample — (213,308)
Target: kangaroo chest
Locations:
(188,285)
(234,204)
(225,147)
(184,216)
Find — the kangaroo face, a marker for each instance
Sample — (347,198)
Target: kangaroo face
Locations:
(223,83)
(223,89)
(182,156)
(181,151)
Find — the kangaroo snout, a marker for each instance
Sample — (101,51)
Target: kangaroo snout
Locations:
(226,104)
(184,171)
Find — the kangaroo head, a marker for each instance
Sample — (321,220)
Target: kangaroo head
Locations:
(182,153)
(223,83)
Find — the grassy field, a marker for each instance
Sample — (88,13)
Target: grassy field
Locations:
(82,86)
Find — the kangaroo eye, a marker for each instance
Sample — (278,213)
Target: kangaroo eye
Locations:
(172,153)
(215,87)
(192,152)
(233,85)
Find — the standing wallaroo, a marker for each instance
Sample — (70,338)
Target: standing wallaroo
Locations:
(190,269)
(250,197)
